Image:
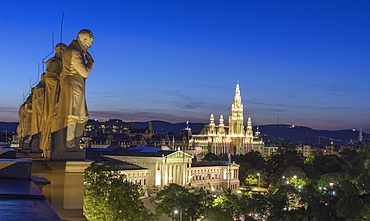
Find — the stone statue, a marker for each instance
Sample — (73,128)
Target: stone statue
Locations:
(38,93)
(76,66)
(24,127)
(52,88)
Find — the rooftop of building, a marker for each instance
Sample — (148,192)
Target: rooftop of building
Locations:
(117,163)
(132,151)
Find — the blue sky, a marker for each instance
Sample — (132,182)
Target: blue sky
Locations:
(304,62)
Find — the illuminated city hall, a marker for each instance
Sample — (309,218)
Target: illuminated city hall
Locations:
(233,139)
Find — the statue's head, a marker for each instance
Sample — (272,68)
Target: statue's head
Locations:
(59,48)
(42,78)
(85,39)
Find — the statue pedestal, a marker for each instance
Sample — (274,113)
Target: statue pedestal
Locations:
(59,151)
(66,191)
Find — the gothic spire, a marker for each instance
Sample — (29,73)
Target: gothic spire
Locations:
(237,97)
(212,120)
(222,120)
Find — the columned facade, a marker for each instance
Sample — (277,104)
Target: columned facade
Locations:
(163,170)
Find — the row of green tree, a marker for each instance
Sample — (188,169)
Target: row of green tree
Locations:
(317,187)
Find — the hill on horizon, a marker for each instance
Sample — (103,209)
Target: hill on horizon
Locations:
(272,133)
(276,133)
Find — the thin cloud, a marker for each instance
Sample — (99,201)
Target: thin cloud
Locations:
(8,109)
(193,105)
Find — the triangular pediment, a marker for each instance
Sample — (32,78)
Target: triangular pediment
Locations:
(179,154)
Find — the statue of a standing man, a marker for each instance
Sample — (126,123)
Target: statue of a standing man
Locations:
(76,66)
(53,69)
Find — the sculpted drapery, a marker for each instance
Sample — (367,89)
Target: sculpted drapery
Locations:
(56,107)
(52,88)
(38,93)
(72,110)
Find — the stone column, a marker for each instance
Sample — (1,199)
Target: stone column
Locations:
(166,174)
(170,178)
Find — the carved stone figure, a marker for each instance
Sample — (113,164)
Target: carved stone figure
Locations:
(52,88)
(24,127)
(38,93)
(76,66)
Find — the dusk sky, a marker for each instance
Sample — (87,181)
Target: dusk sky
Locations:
(303,62)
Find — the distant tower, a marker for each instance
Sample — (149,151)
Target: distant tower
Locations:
(221,127)
(249,132)
(248,136)
(212,129)
(236,124)
(220,139)
(360,137)
(212,135)
(149,129)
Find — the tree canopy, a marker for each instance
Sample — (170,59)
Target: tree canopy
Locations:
(109,196)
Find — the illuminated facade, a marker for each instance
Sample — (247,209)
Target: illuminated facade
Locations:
(233,139)
(155,168)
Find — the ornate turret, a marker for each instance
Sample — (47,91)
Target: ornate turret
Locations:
(249,136)
(212,130)
(249,132)
(221,127)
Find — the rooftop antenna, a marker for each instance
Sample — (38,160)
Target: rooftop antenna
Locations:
(23,100)
(52,42)
(52,50)
(30,86)
(61,28)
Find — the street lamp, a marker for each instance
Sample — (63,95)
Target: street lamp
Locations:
(259,179)
(177,212)
(299,188)
(282,180)
(295,180)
